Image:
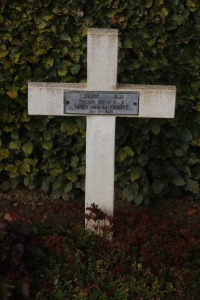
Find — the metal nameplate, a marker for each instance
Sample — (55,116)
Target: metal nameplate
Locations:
(101,103)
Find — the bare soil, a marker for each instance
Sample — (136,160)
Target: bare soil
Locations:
(41,208)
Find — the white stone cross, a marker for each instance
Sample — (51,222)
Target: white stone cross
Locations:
(102,58)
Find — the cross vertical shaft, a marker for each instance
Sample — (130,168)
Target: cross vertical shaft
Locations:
(102,59)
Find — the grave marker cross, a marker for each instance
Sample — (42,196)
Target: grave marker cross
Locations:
(96,101)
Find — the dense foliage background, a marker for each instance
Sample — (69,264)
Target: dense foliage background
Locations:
(46,41)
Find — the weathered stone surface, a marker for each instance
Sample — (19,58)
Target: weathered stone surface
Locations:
(155,101)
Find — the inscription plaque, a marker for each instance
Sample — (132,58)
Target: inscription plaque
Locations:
(101,103)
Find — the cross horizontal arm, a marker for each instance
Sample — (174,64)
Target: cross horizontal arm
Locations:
(155,101)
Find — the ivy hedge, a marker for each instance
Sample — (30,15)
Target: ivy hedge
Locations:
(45,40)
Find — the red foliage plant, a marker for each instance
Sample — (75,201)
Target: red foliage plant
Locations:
(154,239)
(55,242)
(15,217)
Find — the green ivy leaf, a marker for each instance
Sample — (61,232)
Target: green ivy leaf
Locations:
(55,172)
(55,194)
(42,25)
(179,19)
(7,129)
(121,156)
(192,186)
(66,64)
(186,135)
(192,5)
(179,152)
(138,199)
(158,186)
(5,186)
(25,117)
(24,169)
(15,58)
(195,86)
(75,69)
(198,141)
(13,170)
(74,161)
(14,182)
(128,151)
(56,188)
(48,17)
(65,196)
(127,194)
(27,148)
(148,3)
(81,185)
(135,175)
(127,44)
(178,181)
(3,53)
(143,159)
(81,170)
(164,12)
(68,126)
(130,192)
(198,106)
(26,181)
(15,145)
(49,62)
(196,172)
(4,153)
(171,171)
(48,135)
(45,185)
(39,52)
(84,31)
(65,37)
(155,128)
(1,167)
(159,2)
(68,187)
(31,162)
(62,72)
(193,159)
(13,92)
(47,145)
(72,176)
(33,59)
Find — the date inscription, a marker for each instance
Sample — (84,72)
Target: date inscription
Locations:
(101,103)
